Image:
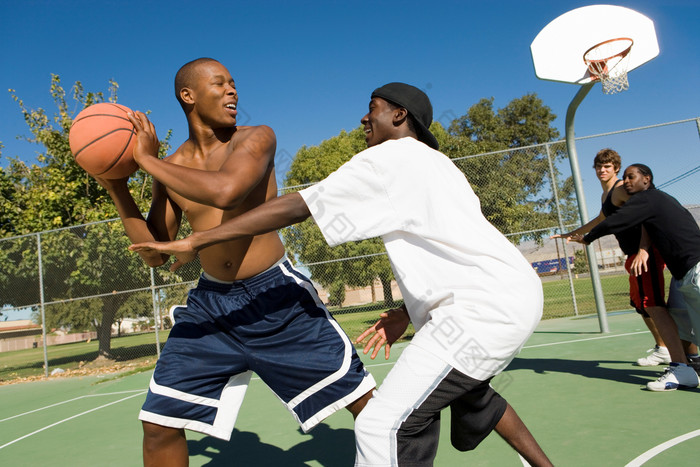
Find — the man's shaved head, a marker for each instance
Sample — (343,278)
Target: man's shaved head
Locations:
(187,74)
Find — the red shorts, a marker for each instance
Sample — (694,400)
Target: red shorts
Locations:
(648,288)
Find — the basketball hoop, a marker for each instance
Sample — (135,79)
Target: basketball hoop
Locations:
(607,62)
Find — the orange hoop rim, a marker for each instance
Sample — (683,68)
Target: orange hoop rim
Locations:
(621,54)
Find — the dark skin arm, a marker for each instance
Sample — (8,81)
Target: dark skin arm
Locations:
(619,197)
(247,161)
(163,219)
(577,234)
(272,215)
(164,216)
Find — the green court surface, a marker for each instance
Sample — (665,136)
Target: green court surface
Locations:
(574,387)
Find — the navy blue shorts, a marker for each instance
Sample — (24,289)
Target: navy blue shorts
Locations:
(272,324)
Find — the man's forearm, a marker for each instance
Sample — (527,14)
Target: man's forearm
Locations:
(627,216)
(584,229)
(272,215)
(201,186)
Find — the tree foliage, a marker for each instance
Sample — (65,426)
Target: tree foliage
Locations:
(56,193)
(513,182)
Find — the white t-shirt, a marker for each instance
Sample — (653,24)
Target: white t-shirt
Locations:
(471,295)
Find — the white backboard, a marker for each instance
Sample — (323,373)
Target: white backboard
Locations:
(557,51)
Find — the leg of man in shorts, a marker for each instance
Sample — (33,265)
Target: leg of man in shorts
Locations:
(678,308)
(272,324)
(647,294)
(689,289)
(418,382)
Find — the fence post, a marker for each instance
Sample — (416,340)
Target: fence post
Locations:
(555,191)
(41,305)
(156,313)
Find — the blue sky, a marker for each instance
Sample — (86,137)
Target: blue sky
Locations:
(307,68)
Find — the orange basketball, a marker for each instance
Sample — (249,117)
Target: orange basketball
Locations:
(102,141)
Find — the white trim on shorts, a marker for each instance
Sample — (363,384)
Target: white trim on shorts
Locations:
(366,385)
(227,406)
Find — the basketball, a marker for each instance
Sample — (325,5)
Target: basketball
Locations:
(102,141)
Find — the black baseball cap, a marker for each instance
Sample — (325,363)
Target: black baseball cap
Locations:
(417,104)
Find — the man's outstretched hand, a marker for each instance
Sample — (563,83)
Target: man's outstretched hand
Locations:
(570,237)
(391,325)
(182,249)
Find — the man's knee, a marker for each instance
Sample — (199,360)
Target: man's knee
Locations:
(356,406)
(164,446)
(155,436)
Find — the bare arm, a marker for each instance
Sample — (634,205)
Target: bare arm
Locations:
(619,197)
(247,160)
(577,234)
(272,215)
(163,220)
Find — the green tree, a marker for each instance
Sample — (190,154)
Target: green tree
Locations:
(56,193)
(514,182)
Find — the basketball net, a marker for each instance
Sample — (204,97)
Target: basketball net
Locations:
(607,62)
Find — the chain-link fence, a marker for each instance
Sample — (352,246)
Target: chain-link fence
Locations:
(83,295)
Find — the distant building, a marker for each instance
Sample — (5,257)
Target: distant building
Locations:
(19,334)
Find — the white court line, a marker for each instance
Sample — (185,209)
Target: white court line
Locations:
(69,418)
(661,448)
(587,339)
(71,400)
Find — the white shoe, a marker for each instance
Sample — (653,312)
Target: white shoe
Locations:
(657,356)
(676,376)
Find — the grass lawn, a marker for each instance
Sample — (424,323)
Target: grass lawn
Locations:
(136,349)
(558,302)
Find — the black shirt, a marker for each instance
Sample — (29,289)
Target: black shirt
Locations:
(670,226)
(628,238)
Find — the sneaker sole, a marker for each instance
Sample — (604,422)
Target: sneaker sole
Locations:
(680,386)
(652,364)
(662,390)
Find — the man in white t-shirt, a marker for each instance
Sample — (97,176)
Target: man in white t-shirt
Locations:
(472,297)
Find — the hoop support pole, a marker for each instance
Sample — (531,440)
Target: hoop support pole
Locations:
(581,199)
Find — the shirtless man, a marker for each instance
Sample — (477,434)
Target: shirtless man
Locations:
(248,290)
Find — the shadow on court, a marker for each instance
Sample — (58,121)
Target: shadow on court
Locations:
(325,445)
(587,368)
